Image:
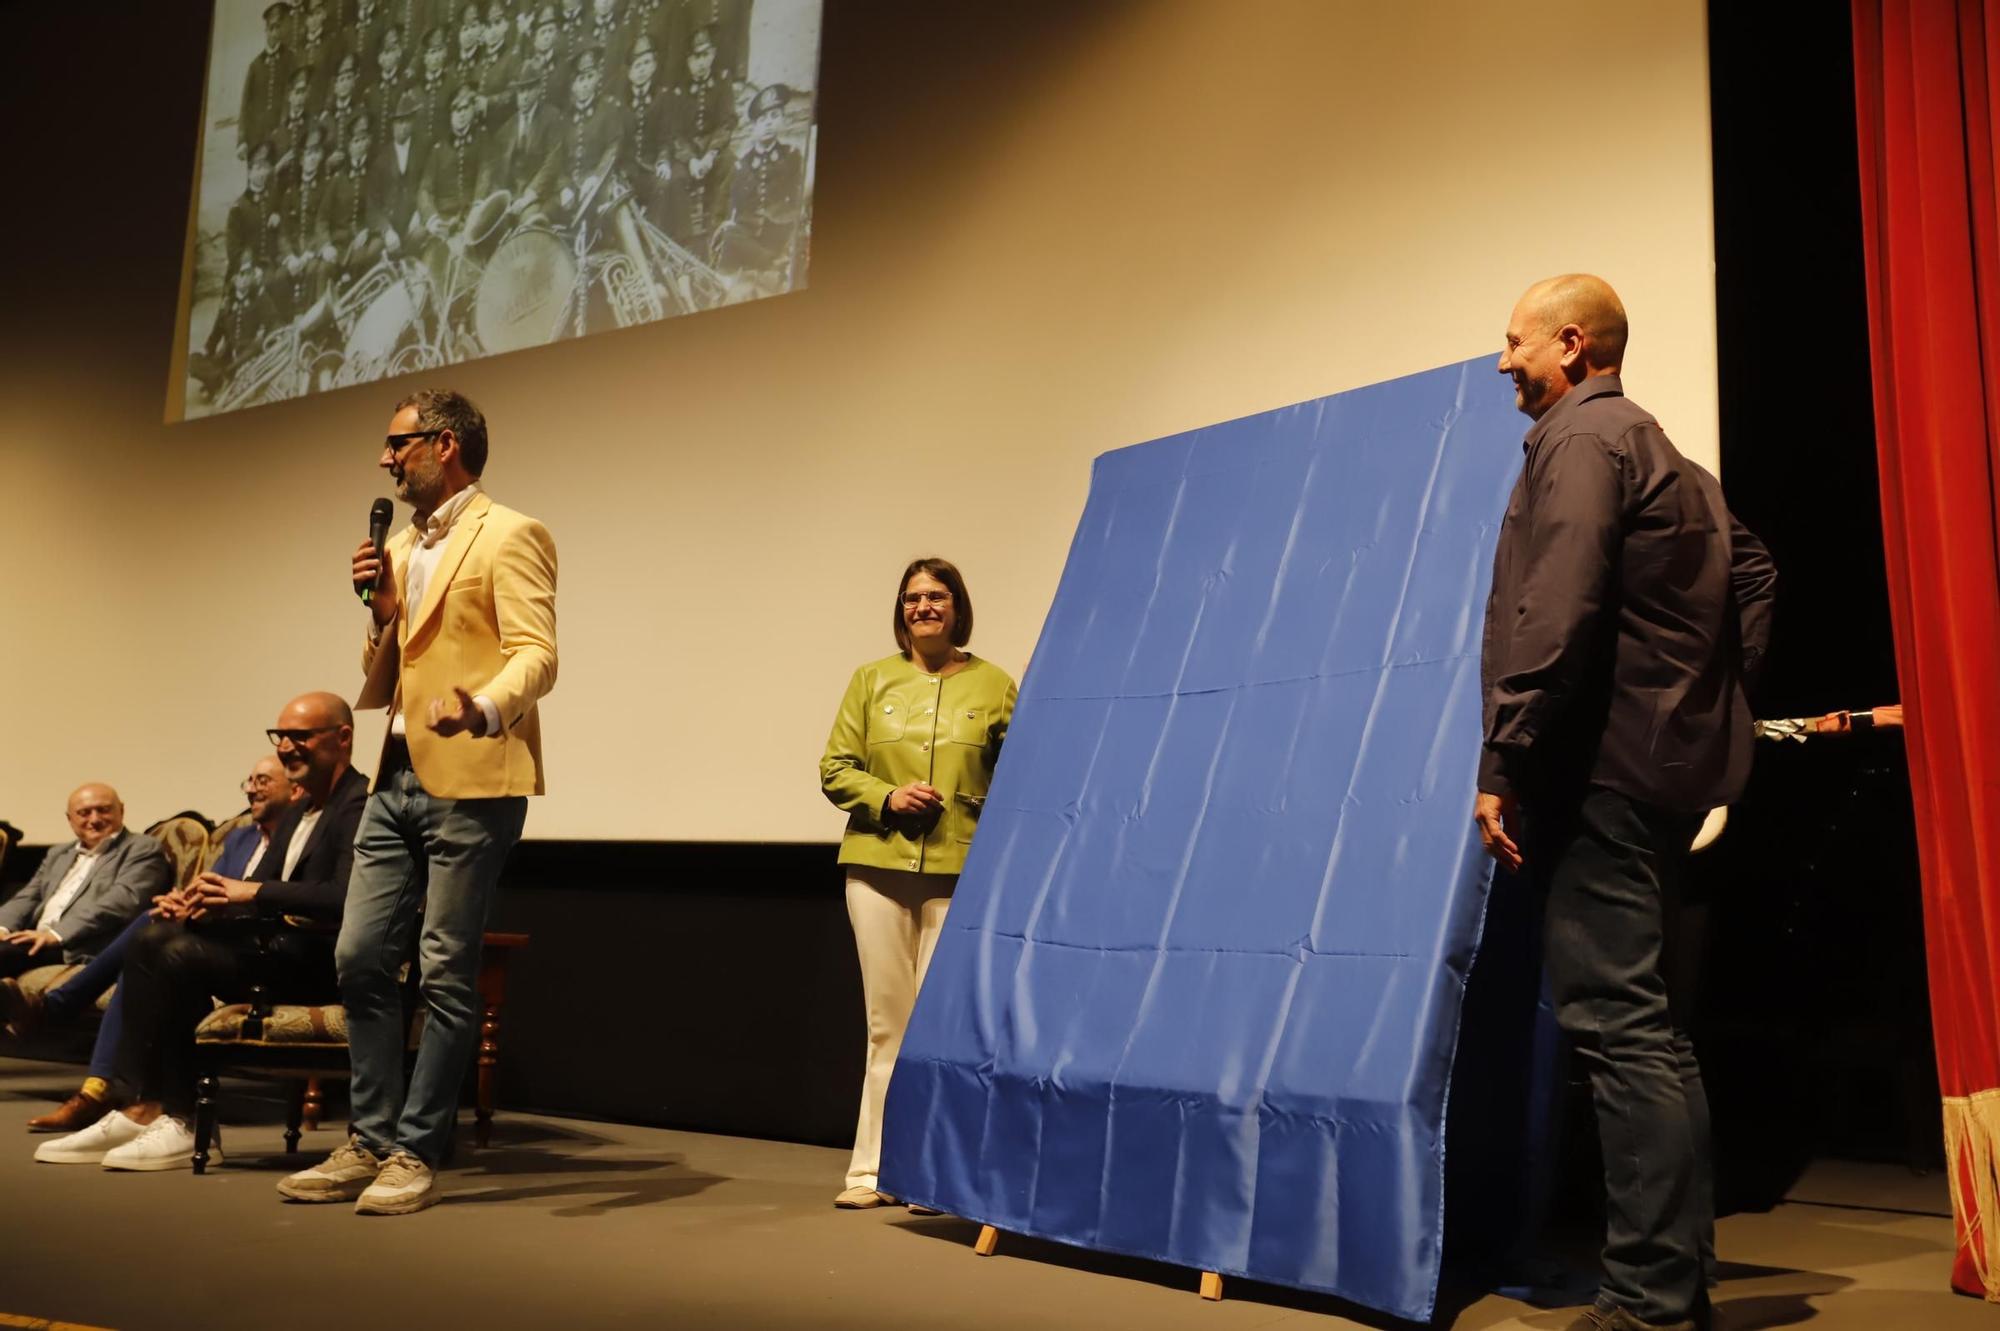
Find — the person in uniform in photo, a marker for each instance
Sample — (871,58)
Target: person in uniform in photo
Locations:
(413,16)
(541,60)
(727,23)
(242,322)
(319,52)
(609,32)
(343,103)
(363,36)
(460,211)
(573,30)
(471,40)
(646,132)
(909,760)
(649,17)
(434,89)
(262,106)
(703,114)
(590,142)
(527,149)
(460,648)
(304,249)
(499,58)
(394,176)
(766,202)
(357,245)
(252,227)
(290,135)
(393,77)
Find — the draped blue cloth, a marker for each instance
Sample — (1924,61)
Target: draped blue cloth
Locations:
(1199,991)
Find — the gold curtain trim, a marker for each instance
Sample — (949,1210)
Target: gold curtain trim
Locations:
(1972,1146)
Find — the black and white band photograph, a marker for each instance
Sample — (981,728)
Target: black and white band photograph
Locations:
(386,187)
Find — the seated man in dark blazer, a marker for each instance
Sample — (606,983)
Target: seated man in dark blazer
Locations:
(271,928)
(85,892)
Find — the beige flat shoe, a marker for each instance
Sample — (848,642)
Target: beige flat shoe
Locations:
(859,1198)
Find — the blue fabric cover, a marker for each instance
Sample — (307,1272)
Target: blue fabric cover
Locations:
(1199,991)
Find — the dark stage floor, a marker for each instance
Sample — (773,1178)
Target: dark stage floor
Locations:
(565,1223)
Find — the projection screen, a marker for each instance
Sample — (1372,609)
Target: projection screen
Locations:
(387,187)
(1039,232)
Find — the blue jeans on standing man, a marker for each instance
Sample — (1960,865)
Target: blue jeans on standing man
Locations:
(417,855)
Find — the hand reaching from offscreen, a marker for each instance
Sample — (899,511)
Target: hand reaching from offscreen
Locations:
(1494,815)
(917,797)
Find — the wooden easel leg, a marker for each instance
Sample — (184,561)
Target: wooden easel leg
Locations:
(989,1239)
(1211,1286)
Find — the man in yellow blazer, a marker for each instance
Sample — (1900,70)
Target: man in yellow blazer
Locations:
(461,647)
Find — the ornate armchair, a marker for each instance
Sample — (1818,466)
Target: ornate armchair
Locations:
(306,1045)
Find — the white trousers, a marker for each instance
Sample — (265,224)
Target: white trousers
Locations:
(896,916)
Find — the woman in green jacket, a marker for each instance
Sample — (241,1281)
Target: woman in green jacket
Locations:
(910,757)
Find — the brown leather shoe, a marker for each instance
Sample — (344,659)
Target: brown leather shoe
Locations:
(76,1113)
(20,1011)
(1601,1317)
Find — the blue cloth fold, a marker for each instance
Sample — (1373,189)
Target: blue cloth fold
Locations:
(1199,992)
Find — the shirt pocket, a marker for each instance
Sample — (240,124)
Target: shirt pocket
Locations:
(888,720)
(969,725)
(965,815)
(467,606)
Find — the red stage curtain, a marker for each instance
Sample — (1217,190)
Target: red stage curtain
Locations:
(1927,111)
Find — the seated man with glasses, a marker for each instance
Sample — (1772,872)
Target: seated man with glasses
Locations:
(270,793)
(273,926)
(84,892)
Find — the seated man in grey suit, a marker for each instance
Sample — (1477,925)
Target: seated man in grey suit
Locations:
(86,892)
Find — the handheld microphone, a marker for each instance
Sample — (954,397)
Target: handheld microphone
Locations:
(380,515)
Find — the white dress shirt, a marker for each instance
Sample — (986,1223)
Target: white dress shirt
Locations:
(301,835)
(66,891)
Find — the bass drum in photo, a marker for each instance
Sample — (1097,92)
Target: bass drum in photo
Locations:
(524,291)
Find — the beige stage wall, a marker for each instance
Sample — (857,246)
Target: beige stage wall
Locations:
(1041,232)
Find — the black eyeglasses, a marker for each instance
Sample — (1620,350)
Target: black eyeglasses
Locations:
(396,443)
(297,737)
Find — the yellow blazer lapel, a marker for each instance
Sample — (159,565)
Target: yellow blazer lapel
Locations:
(462,533)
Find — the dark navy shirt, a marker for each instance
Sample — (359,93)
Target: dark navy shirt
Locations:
(1629,614)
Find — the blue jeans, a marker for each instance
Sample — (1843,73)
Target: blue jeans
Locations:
(80,990)
(415,853)
(1611,869)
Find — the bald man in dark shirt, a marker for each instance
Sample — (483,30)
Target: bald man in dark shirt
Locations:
(1628,617)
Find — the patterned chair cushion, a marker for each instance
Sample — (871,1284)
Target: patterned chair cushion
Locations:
(44,978)
(289,1026)
(294,1025)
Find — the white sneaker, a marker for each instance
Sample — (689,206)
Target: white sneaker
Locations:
(90,1146)
(167,1143)
(405,1184)
(341,1177)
